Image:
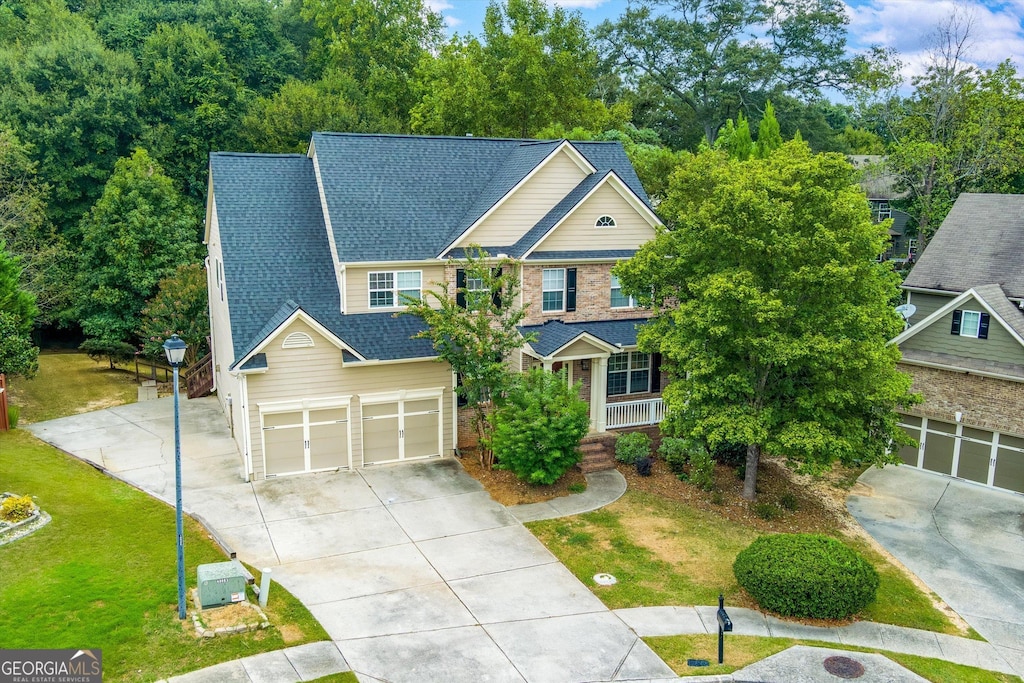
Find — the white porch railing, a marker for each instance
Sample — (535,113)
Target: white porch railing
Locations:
(647,411)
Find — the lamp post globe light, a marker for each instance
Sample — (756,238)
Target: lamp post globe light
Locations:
(175,350)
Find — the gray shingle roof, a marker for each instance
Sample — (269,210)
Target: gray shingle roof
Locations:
(995,297)
(277,258)
(979,243)
(402,197)
(554,334)
(582,254)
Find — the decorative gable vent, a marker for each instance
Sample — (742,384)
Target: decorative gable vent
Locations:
(297,340)
(605,222)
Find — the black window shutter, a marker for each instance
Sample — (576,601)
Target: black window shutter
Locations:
(460,400)
(496,294)
(655,373)
(570,289)
(983,326)
(956,322)
(460,287)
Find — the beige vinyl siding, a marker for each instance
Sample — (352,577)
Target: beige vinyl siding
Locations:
(1000,345)
(580,347)
(317,372)
(578,230)
(357,284)
(220,330)
(528,204)
(926,305)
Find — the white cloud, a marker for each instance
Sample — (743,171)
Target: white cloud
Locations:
(438,5)
(577,4)
(909,26)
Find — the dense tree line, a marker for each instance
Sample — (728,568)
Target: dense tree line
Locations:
(109,109)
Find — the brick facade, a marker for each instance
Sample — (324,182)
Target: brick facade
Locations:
(985,402)
(593,296)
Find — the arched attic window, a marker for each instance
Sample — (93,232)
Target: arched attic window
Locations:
(605,222)
(297,340)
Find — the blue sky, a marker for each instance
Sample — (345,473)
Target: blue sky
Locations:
(902,24)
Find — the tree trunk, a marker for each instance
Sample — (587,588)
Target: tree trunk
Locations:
(750,476)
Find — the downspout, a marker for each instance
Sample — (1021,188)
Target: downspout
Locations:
(243,388)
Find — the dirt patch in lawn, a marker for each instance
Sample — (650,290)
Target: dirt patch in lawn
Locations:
(508,489)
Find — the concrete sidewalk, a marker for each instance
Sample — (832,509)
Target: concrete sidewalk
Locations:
(290,665)
(603,488)
(672,621)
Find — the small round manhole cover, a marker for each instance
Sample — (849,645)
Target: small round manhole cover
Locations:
(844,667)
(605,579)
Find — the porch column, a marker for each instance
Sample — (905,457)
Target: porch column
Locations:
(547,365)
(598,393)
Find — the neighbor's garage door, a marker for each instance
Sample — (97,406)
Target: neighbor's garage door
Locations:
(401,425)
(305,436)
(977,455)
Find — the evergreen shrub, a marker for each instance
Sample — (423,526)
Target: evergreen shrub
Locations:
(806,575)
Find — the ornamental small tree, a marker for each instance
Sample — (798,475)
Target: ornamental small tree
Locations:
(474,328)
(178,307)
(538,428)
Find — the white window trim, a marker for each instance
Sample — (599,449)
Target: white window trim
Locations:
(631,300)
(473,291)
(629,374)
(613,224)
(977,329)
(394,288)
(565,278)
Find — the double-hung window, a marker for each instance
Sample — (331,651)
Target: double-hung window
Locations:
(389,289)
(970,324)
(558,290)
(620,300)
(629,373)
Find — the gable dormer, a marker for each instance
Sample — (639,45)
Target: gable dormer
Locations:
(525,204)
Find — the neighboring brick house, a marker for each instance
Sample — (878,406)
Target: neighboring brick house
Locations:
(309,254)
(964,345)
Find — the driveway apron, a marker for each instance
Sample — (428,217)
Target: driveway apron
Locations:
(966,542)
(413,569)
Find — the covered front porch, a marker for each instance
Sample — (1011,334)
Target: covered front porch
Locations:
(621,384)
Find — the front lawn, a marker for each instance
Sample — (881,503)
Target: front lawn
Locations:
(68,384)
(102,574)
(664,552)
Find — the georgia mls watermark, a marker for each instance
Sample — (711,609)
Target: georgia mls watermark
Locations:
(51,666)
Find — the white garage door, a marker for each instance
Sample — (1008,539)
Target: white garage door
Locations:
(306,436)
(405,425)
(978,455)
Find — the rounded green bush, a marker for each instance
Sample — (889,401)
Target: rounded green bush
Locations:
(806,575)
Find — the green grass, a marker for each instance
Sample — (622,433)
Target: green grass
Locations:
(71,383)
(102,574)
(665,553)
(741,651)
(346,677)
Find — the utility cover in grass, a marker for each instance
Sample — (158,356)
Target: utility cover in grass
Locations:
(806,575)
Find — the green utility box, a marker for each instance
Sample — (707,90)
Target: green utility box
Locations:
(220,583)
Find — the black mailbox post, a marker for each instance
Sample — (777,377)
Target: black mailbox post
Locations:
(724,624)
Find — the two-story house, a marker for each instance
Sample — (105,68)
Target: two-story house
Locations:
(879,184)
(964,345)
(310,256)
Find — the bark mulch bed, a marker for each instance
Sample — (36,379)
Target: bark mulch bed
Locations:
(507,489)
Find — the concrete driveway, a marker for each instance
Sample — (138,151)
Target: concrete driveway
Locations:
(413,569)
(964,541)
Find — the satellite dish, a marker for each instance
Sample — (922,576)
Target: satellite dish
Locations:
(906,310)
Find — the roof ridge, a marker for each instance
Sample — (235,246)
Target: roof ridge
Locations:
(413,136)
(286,155)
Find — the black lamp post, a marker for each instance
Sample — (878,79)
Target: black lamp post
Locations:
(175,350)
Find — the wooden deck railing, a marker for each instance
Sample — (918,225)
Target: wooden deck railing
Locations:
(199,377)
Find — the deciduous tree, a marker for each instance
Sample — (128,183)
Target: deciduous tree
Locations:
(136,235)
(715,57)
(179,307)
(474,328)
(771,312)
